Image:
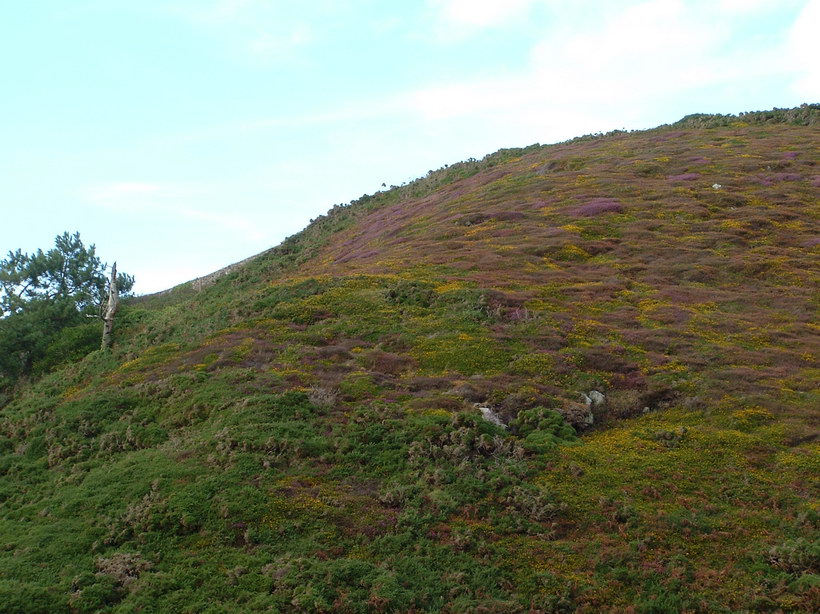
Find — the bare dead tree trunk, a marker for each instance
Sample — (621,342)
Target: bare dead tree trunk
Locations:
(110,309)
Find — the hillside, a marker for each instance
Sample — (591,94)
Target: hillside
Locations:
(636,313)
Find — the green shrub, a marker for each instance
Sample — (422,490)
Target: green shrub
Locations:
(411,293)
(283,293)
(358,386)
(796,556)
(469,304)
(94,592)
(24,598)
(541,429)
(70,344)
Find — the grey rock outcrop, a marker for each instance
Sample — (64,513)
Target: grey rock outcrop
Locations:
(490,416)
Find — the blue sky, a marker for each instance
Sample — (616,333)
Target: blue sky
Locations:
(182,135)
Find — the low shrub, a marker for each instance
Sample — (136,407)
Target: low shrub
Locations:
(541,429)
(597,206)
(796,556)
(411,293)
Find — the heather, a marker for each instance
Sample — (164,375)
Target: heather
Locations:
(304,433)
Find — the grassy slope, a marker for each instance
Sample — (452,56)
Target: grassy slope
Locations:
(300,436)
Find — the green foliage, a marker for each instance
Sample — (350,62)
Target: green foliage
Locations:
(413,293)
(469,304)
(541,428)
(806,115)
(797,556)
(463,353)
(94,593)
(27,598)
(534,364)
(69,271)
(27,335)
(44,299)
(285,293)
(71,345)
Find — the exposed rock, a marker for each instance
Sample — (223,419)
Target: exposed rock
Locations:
(490,416)
(594,399)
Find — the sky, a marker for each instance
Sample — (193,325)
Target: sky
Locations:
(180,136)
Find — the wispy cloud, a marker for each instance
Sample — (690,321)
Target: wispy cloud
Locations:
(220,12)
(628,60)
(750,6)
(358,111)
(260,28)
(128,196)
(470,15)
(281,45)
(234,222)
(624,62)
(164,200)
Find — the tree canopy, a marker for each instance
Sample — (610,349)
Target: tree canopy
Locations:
(45,298)
(70,271)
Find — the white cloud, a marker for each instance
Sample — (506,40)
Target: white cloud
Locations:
(654,48)
(280,46)
(623,68)
(643,53)
(804,50)
(260,28)
(480,13)
(218,12)
(749,6)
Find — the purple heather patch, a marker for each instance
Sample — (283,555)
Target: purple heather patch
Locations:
(662,138)
(812,242)
(596,206)
(698,160)
(507,216)
(815,181)
(790,155)
(554,232)
(776,177)
(355,256)
(684,177)
(538,204)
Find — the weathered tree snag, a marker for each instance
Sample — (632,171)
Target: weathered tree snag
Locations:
(110,309)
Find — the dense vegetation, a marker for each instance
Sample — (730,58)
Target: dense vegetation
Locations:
(46,299)
(302,435)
